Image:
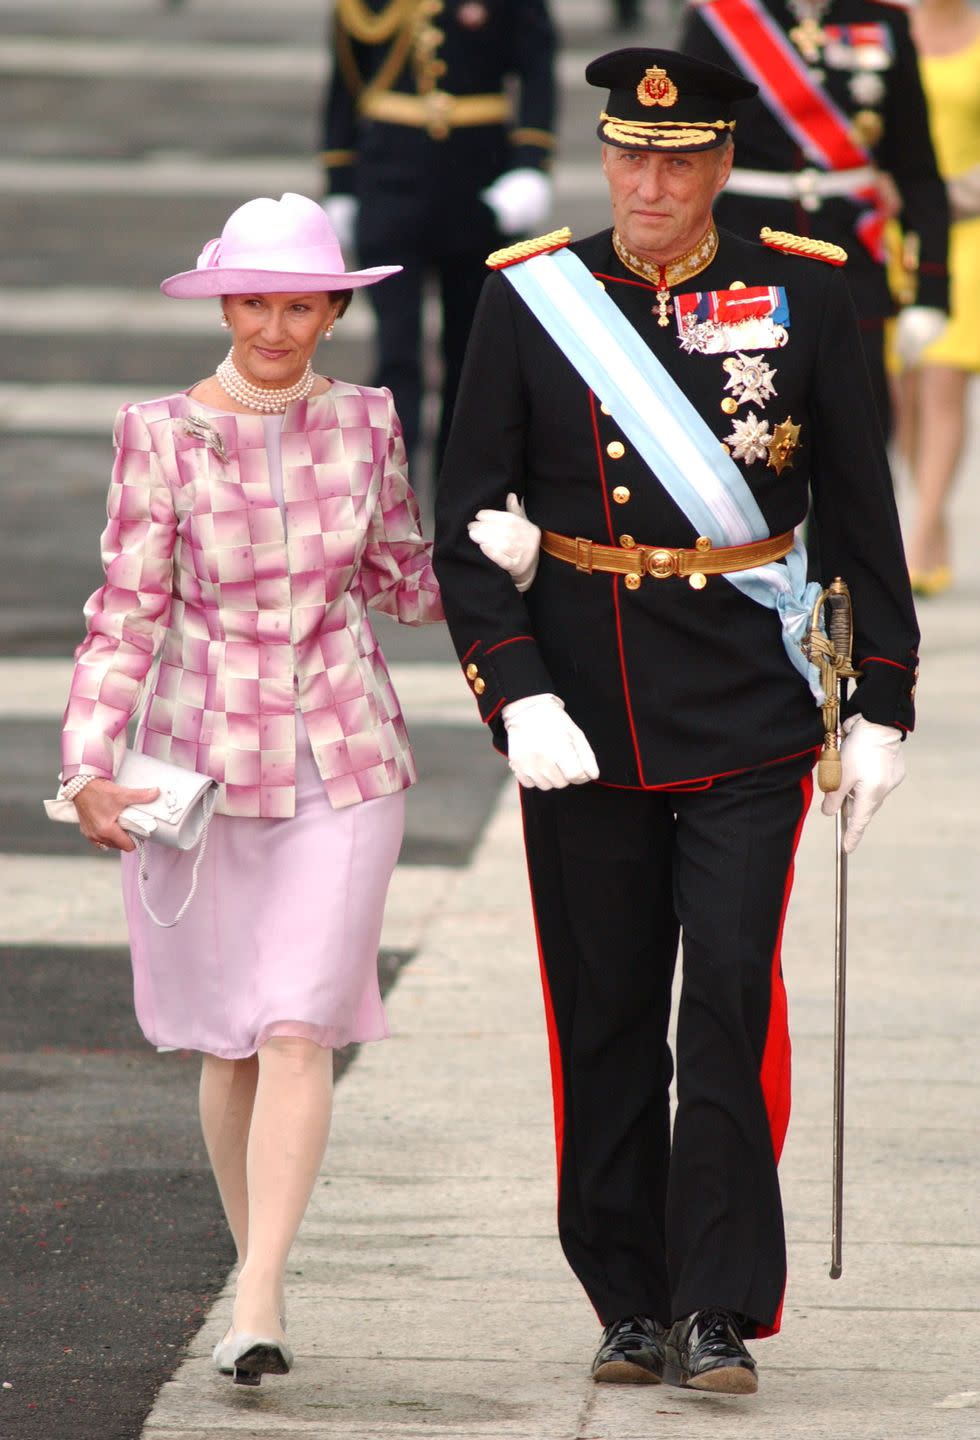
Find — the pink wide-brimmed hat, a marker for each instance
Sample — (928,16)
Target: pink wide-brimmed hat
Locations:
(272,247)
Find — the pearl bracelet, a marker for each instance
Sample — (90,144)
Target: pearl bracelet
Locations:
(74,786)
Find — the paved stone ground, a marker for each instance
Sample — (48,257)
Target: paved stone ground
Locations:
(427,1272)
(132,128)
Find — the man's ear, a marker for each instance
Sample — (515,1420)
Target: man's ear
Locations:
(725,166)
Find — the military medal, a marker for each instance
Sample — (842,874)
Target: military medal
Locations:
(750,439)
(783,446)
(711,322)
(749,379)
(808,35)
(866,87)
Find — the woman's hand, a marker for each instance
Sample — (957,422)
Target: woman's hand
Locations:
(510,540)
(99,806)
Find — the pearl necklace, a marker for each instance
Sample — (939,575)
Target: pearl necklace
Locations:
(258,397)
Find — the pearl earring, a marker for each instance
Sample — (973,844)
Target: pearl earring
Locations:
(225,323)
(328,332)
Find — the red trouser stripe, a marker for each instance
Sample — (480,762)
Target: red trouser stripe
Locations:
(776,1069)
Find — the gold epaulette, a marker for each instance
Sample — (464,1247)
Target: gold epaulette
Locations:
(803,245)
(527,249)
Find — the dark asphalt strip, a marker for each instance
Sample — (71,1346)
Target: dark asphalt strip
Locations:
(112,1241)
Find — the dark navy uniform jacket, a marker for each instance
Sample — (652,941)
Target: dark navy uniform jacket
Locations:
(669,684)
(903,148)
(410,176)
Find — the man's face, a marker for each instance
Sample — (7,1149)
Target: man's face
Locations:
(661,203)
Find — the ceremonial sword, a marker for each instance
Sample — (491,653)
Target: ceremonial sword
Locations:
(831,652)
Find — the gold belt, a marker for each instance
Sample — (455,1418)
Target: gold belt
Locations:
(438,112)
(660,562)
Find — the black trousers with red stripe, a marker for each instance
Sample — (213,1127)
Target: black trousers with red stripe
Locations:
(654,1224)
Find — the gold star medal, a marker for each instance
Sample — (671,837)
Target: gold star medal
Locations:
(783,446)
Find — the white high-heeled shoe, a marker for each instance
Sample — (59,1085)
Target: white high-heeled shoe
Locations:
(248,1357)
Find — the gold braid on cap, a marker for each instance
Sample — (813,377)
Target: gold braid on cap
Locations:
(803,245)
(661,134)
(527,249)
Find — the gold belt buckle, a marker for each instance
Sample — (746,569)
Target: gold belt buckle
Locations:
(660,564)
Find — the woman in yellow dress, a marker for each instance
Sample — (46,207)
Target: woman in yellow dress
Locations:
(933,395)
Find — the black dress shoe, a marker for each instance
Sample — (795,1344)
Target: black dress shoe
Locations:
(706,1352)
(631,1353)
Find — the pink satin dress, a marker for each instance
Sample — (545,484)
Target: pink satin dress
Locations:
(282,935)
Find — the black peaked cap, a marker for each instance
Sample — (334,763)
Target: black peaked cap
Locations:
(663,100)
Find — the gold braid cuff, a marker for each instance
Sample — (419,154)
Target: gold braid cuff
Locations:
(527,135)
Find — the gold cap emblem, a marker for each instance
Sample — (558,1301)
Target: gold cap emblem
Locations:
(656,88)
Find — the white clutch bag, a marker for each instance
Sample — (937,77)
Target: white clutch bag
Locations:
(178,817)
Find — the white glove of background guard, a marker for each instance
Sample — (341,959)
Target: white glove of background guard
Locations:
(872,766)
(510,540)
(520,199)
(916,328)
(341,211)
(546,750)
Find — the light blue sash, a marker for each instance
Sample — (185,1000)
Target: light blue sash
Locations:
(668,432)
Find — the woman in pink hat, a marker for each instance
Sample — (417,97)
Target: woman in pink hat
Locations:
(253,519)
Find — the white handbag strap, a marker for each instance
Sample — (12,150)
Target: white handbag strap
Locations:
(207,804)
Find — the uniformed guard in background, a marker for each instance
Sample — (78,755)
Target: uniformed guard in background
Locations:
(428,155)
(837,142)
(664,396)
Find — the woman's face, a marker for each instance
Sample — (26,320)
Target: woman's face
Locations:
(273,336)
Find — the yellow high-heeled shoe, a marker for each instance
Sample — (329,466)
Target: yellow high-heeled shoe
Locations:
(928,583)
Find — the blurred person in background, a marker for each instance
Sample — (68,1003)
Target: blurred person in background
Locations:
(837,143)
(253,519)
(428,154)
(626,15)
(933,394)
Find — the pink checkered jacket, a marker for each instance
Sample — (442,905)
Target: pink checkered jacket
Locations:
(252,618)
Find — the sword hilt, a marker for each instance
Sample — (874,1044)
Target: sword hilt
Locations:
(835,670)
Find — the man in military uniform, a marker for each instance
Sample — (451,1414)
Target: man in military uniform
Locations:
(837,142)
(427,157)
(665,396)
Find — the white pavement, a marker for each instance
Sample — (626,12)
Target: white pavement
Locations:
(428,1296)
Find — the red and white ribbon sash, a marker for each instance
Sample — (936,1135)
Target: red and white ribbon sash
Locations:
(764,53)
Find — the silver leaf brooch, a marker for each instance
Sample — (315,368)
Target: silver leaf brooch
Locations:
(201,429)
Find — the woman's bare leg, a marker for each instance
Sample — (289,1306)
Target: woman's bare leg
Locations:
(227,1094)
(939,445)
(290,1123)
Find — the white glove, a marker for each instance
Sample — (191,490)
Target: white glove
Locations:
(520,199)
(915,330)
(510,540)
(546,750)
(341,211)
(872,766)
